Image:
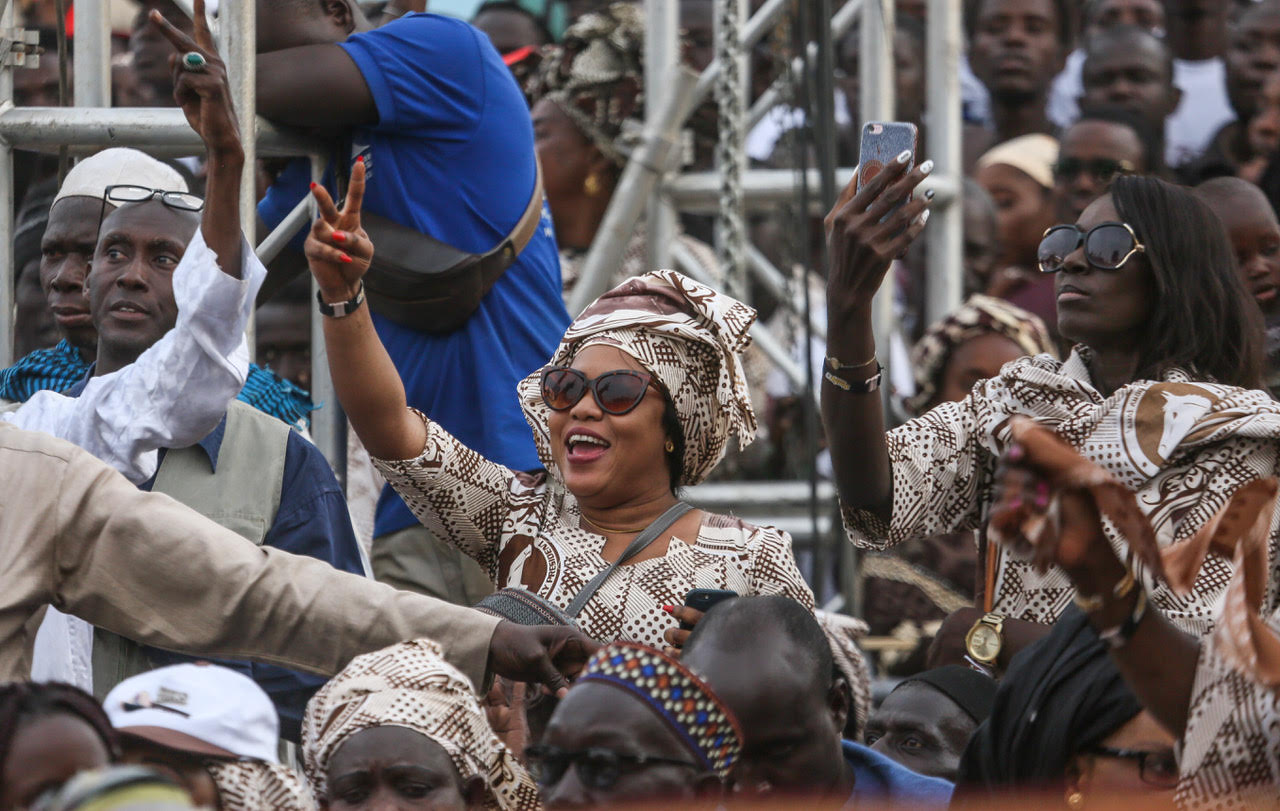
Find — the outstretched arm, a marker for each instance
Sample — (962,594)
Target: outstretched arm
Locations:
(862,247)
(205,97)
(366,381)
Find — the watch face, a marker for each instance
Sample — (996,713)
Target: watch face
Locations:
(984,643)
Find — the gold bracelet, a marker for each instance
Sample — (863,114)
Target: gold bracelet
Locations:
(1095,602)
(836,366)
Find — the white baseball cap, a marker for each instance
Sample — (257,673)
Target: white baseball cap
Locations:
(200,708)
(118,166)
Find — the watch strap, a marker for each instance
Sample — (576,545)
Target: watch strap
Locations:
(341,308)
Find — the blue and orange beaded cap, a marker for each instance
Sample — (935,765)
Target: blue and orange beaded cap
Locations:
(684,701)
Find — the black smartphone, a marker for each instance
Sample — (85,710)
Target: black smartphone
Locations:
(882,143)
(703,599)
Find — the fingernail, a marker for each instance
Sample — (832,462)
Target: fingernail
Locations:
(1015,453)
(1041,501)
(1015,502)
(926,167)
(904,156)
(924,216)
(338,236)
(360,159)
(670,609)
(345,258)
(313,185)
(929,194)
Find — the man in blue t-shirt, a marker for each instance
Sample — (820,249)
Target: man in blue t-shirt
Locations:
(770,662)
(445,133)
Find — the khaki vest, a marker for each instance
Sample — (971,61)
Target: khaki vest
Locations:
(243,496)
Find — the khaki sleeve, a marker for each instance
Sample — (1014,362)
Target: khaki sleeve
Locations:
(146,567)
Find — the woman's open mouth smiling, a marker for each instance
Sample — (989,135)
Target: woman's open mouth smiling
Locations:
(582,446)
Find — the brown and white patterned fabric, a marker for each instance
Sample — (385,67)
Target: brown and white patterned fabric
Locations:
(411,685)
(690,338)
(596,75)
(1184,447)
(843,633)
(526,531)
(1230,755)
(980,315)
(258,786)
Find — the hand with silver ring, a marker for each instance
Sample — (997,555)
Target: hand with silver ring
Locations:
(194,61)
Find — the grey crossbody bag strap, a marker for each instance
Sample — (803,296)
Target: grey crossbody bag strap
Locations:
(650,534)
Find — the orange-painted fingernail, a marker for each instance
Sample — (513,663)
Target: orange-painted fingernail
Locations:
(338,236)
(345,258)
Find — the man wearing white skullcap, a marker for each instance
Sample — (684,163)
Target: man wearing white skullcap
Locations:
(124,417)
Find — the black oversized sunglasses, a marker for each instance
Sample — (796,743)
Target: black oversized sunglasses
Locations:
(598,769)
(1158,768)
(617,392)
(1103,169)
(1107,246)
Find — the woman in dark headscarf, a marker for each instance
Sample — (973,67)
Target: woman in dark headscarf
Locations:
(1064,720)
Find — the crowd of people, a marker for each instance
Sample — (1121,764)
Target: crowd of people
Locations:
(1067,502)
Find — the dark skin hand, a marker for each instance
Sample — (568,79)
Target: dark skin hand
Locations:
(862,249)
(1159,661)
(948,646)
(205,99)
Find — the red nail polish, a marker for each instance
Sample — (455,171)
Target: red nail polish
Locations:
(313,185)
(670,609)
(360,159)
(338,236)
(345,258)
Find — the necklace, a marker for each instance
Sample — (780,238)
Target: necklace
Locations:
(612,530)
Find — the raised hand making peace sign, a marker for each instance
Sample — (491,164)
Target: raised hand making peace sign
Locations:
(200,83)
(338,249)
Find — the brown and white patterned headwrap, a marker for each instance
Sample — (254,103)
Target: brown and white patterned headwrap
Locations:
(596,75)
(980,315)
(690,338)
(411,685)
(257,786)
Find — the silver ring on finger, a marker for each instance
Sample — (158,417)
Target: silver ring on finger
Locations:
(194,62)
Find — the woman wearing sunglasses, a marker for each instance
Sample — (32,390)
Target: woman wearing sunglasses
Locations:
(641,398)
(1159,388)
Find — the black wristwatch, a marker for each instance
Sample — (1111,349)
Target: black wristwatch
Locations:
(341,308)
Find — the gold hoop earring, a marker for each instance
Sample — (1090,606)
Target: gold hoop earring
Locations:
(671,446)
(1075,800)
(591,186)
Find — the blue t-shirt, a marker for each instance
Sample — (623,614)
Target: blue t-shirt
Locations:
(452,155)
(880,781)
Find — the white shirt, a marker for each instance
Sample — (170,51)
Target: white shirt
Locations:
(172,396)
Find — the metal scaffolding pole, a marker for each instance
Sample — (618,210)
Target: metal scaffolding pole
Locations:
(662,49)
(6,201)
(945,233)
(732,92)
(877,104)
(92,51)
(237,40)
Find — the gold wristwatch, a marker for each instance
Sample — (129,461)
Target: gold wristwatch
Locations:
(985,639)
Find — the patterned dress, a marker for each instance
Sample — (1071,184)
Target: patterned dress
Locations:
(1182,446)
(1231,749)
(525,531)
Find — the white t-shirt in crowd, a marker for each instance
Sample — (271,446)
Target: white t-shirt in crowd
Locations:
(1203,111)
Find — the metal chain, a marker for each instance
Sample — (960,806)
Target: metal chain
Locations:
(730,96)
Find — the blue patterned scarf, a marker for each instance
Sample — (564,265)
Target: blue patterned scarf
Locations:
(61,367)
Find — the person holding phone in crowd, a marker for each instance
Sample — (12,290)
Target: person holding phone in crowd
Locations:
(641,398)
(1138,392)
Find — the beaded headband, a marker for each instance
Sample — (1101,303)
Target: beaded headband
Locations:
(682,699)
